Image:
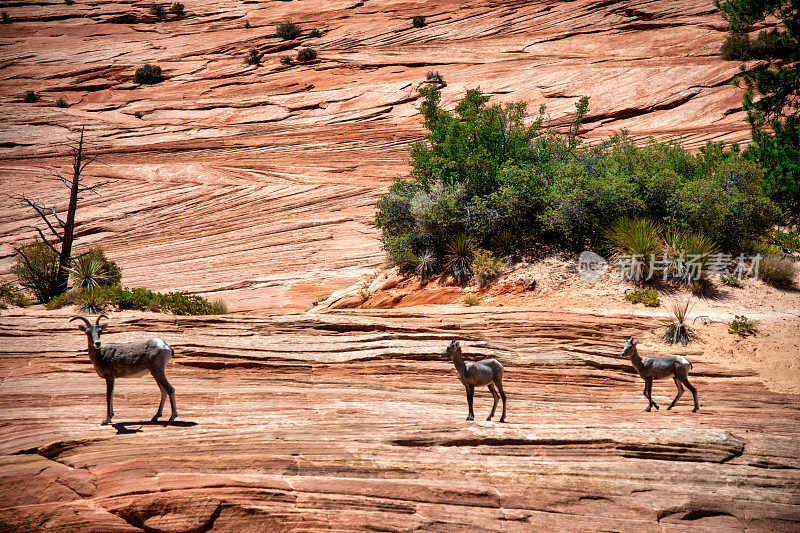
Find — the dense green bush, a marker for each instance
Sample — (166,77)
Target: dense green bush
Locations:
(148,74)
(418,21)
(178,10)
(485,267)
(31,97)
(489,170)
(306,54)
(36,266)
(648,297)
(158,11)
(288,31)
(12,295)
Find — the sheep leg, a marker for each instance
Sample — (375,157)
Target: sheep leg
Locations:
(499,382)
(648,389)
(680,392)
(470,395)
(495,397)
(164,384)
(161,404)
(685,380)
(109,400)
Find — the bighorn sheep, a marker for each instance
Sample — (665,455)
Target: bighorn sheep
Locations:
(486,372)
(650,368)
(127,360)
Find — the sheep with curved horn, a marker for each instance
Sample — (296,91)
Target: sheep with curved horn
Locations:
(127,360)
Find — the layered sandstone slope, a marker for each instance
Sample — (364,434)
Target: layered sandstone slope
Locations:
(351,420)
(258,182)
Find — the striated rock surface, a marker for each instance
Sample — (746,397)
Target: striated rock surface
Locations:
(257,183)
(351,420)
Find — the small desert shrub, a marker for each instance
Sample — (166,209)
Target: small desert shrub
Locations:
(12,295)
(288,31)
(158,11)
(788,241)
(470,300)
(434,77)
(502,241)
(736,47)
(36,268)
(286,60)
(676,330)
(649,297)
(460,251)
(427,264)
(730,280)
(306,54)
(364,293)
(418,22)
(4,18)
(741,325)
(638,240)
(253,57)
(485,267)
(314,34)
(61,103)
(93,301)
(62,300)
(69,2)
(777,271)
(31,97)
(178,10)
(148,74)
(247,25)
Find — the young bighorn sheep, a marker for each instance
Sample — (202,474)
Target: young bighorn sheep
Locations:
(128,360)
(650,368)
(486,372)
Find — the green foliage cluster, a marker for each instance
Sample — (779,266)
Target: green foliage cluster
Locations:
(314,34)
(286,60)
(4,18)
(730,280)
(178,303)
(496,176)
(13,296)
(648,297)
(61,103)
(36,268)
(288,31)
(772,90)
(418,22)
(788,241)
(470,300)
(158,11)
(178,10)
(485,267)
(306,54)
(148,74)
(31,97)
(741,325)
(93,269)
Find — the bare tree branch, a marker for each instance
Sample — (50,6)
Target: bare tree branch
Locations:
(40,210)
(44,239)
(93,187)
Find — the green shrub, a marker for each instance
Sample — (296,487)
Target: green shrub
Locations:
(69,2)
(4,18)
(286,60)
(470,300)
(418,22)
(676,331)
(253,57)
(736,47)
(314,34)
(288,31)
(687,256)
(485,267)
(730,280)
(12,295)
(741,325)
(483,169)
(640,240)
(306,54)
(92,301)
(178,10)
(62,300)
(788,241)
(61,103)
(777,271)
(158,11)
(502,241)
(105,297)
(36,268)
(148,74)
(31,97)
(648,297)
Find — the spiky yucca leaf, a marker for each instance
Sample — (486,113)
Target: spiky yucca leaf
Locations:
(629,238)
(427,264)
(676,330)
(88,273)
(682,247)
(460,251)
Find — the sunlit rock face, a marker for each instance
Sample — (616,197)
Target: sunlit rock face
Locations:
(257,183)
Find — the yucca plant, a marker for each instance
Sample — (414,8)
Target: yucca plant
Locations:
(93,301)
(427,264)
(676,330)
(635,240)
(460,251)
(88,273)
(687,256)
